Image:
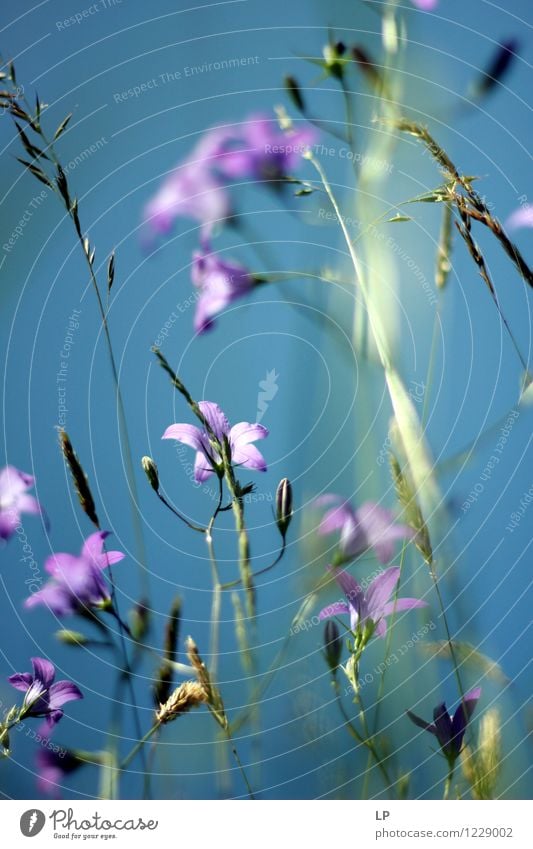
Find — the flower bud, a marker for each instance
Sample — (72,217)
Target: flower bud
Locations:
(332,644)
(150,470)
(294,92)
(71,638)
(283,506)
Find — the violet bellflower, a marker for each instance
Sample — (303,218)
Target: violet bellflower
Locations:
(265,151)
(368,610)
(77,582)
(43,697)
(450,730)
(220,282)
(522,217)
(15,500)
(192,190)
(425,4)
(208,459)
(368,527)
(52,767)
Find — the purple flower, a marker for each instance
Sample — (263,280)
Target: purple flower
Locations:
(191,191)
(77,582)
(52,766)
(522,217)
(220,283)
(425,4)
(42,696)
(450,730)
(370,526)
(208,459)
(265,152)
(368,609)
(14,499)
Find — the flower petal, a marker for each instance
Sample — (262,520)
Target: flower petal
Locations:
(249,457)
(186,433)
(215,418)
(350,587)
(21,680)
(62,692)
(202,467)
(427,726)
(243,433)
(443,725)
(338,608)
(402,604)
(43,671)
(470,701)
(380,591)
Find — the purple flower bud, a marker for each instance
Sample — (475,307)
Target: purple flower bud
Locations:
(283,506)
(332,644)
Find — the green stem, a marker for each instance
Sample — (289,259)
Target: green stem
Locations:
(448,782)
(131,754)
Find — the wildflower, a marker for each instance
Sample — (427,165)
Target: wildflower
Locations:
(368,527)
(522,217)
(450,730)
(52,766)
(208,459)
(220,283)
(14,499)
(77,582)
(43,697)
(425,4)
(192,190)
(266,152)
(369,610)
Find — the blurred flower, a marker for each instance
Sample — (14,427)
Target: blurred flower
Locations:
(450,730)
(370,526)
(220,283)
(42,696)
(266,151)
(522,217)
(192,190)
(239,436)
(425,4)
(52,766)
(368,610)
(77,582)
(14,499)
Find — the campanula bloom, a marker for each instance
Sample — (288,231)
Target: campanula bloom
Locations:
(208,459)
(52,767)
(192,190)
(450,730)
(264,151)
(43,697)
(425,4)
(368,527)
(220,282)
(368,610)
(77,582)
(14,499)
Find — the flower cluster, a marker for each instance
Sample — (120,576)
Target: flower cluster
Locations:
(198,188)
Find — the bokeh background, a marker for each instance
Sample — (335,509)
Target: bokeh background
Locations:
(329,415)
